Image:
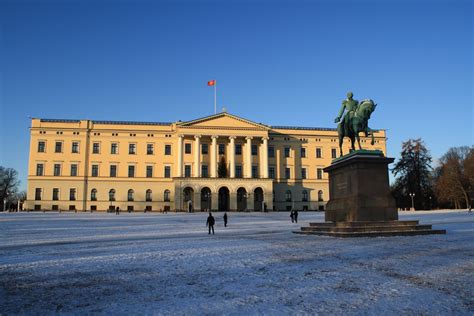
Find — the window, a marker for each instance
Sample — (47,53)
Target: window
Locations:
(221,149)
(114,148)
(72,194)
(287,152)
(303,152)
(148,195)
(318,153)
(93,195)
(238,149)
(303,173)
(41,146)
(95,148)
(204,171)
(38,192)
(112,195)
(55,194)
(113,171)
(204,149)
(168,150)
(271,151)
(166,196)
(167,172)
(39,169)
(149,171)
(288,196)
(149,149)
(271,172)
(130,195)
(254,172)
(75,147)
(319,173)
(95,170)
(333,153)
(187,171)
(132,149)
(57,169)
(320,196)
(305,196)
(287,173)
(238,171)
(73,170)
(58,148)
(131,171)
(254,150)
(187,148)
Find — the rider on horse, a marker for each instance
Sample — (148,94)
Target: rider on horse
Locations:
(350,105)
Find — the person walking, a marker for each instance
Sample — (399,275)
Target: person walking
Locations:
(292,216)
(210,223)
(225,219)
(295,215)
(117,211)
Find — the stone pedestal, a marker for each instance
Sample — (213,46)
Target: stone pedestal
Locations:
(359,188)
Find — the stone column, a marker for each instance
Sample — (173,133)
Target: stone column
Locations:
(264,158)
(197,201)
(197,156)
(232,157)
(179,166)
(248,157)
(214,156)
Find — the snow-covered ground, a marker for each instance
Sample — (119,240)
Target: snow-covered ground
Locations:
(167,264)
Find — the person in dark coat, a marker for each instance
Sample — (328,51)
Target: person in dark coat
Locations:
(210,223)
(292,216)
(295,215)
(117,210)
(225,219)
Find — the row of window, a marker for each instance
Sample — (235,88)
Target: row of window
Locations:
(167,171)
(150,149)
(149,195)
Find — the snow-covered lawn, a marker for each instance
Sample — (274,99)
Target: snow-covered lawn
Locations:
(167,264)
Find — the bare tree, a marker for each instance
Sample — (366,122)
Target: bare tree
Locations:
(8,184)
(454,179)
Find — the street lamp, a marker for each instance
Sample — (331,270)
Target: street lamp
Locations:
(412,201)
(430,204)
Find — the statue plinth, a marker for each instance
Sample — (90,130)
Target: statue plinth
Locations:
(359,188)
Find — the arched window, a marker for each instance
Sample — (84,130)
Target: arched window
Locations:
(93,195)
(305,196)
(112,195)
(167,195)
(148,195)
(288,196)
(320,196)
(130,195)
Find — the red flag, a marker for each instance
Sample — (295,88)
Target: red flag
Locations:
(211,83)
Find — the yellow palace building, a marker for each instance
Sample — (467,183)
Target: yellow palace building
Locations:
(89,165)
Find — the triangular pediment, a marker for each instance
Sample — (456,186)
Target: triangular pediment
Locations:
(224,120)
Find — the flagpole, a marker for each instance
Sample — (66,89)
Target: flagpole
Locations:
(215,97)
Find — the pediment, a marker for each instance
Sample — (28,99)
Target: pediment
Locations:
(223,120)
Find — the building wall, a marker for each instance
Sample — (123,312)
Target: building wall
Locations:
(86,133)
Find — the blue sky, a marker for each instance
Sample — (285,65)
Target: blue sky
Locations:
(276,62)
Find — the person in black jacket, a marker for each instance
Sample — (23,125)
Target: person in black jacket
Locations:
(210,223)
(225,219)
(295,214)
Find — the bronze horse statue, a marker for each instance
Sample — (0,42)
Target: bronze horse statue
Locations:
(356,122)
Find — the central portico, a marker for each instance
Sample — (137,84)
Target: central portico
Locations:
(243,144)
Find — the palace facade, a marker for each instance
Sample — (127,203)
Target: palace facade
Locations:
(89,165)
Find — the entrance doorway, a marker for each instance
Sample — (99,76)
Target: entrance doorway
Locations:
(258,199)
(241,199)
(206,199)
(224,200)
(188,199)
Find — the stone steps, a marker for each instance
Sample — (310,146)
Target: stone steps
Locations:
(369,229)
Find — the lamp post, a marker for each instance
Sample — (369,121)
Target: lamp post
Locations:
(431,207)
(412,195)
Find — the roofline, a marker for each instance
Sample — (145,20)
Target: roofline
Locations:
(105,122)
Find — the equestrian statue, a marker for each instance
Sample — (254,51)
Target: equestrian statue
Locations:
(355,120)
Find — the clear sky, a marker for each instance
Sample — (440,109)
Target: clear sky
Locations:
(276,62)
